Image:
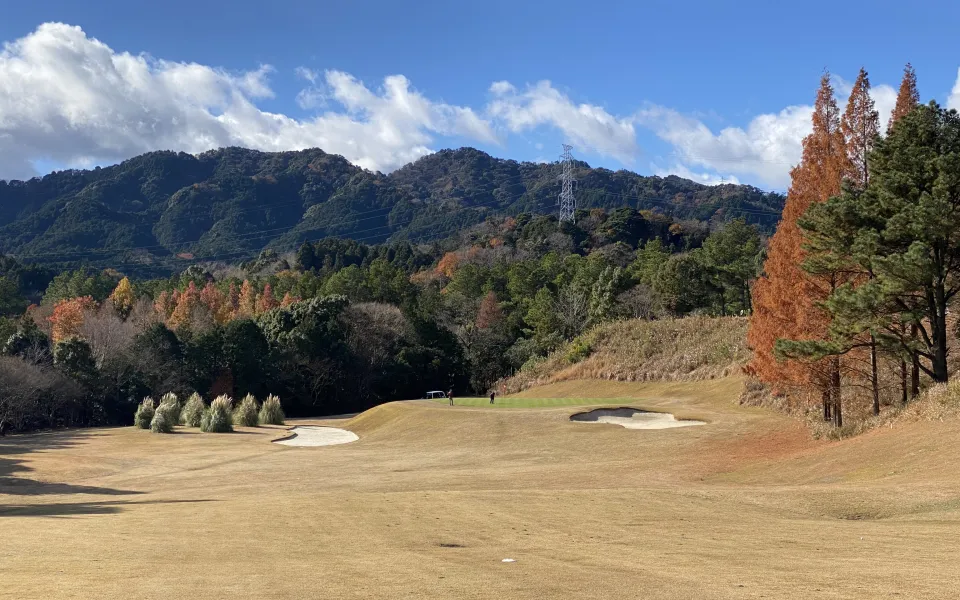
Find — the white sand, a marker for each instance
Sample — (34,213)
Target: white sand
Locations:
(632,418)
(305,435)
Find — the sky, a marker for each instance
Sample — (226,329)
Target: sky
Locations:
(716,92)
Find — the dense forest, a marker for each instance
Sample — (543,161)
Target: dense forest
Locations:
(160,212)
(340,325)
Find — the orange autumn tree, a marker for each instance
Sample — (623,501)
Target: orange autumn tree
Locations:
(907,98)
(247,302)
(67,317)
(489,315)
(187,304)
(785,298)
(266,301)
(288,300)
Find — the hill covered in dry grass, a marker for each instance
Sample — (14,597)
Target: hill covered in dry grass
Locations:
(683,349)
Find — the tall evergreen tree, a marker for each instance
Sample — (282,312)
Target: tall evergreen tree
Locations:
(904,229)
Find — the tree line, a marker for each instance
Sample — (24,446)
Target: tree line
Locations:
(339,326)
(863,268)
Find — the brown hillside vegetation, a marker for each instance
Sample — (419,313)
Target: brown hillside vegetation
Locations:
(687,349)
(431,499)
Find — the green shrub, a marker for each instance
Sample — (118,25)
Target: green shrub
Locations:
(578,350)
(192,411)
(246,413)
(170,399)
(218,418)
(144,413)
(162,421)
(271,413)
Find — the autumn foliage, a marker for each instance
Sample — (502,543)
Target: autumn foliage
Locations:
(67,317)
(785,298)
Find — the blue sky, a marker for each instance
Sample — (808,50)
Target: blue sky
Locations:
(695,88)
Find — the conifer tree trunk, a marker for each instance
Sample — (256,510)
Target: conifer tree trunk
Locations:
(835,391)
(825,395)
(915,375)
(873,375)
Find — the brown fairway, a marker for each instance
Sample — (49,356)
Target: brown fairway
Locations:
(431,499)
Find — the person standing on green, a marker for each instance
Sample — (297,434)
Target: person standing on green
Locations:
(450,395)
(492,396)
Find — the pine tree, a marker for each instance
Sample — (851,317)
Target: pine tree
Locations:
(785,299)
(861,128)
(908,98)
(904,229)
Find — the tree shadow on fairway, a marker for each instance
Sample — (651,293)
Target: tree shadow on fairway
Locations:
(75,509)
(13,451)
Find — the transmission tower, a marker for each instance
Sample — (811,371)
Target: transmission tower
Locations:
(566,200)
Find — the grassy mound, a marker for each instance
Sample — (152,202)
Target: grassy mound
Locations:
(246,413)
(271,413)
(192,411)
(687,349)
(144,414)
(218,418)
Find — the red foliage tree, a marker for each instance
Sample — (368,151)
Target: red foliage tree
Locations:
(785,299)
(67,317)
(907,98)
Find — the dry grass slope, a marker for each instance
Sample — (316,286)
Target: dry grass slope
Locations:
(688,349)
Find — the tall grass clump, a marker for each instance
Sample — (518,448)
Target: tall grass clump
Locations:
(163,419)
(192,411)
(218,418)
(246,413)
(271,413)
(144,414)
(170,399)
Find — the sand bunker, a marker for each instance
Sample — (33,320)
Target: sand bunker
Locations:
(631,418)
(305,435)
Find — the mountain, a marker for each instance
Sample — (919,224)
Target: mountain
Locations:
(165,209)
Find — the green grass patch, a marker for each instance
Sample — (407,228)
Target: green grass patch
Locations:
(533,402)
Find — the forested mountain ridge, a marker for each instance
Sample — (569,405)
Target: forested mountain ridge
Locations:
(231,203)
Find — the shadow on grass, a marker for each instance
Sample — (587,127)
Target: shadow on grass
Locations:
(13,450)
(72,509)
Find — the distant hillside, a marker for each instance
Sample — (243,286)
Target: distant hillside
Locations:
(166,208)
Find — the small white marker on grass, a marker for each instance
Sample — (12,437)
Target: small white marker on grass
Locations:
(509,560)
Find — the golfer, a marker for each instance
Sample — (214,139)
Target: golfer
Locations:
(450,395)
(492,396)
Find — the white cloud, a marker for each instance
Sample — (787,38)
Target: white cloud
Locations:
(687,173)
(769,146)
(766,149)
(954,100)
(586,126)
(70,99)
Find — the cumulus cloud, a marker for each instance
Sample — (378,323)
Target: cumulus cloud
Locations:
(586,126)
(70,99)
(766,149)
(687,173)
